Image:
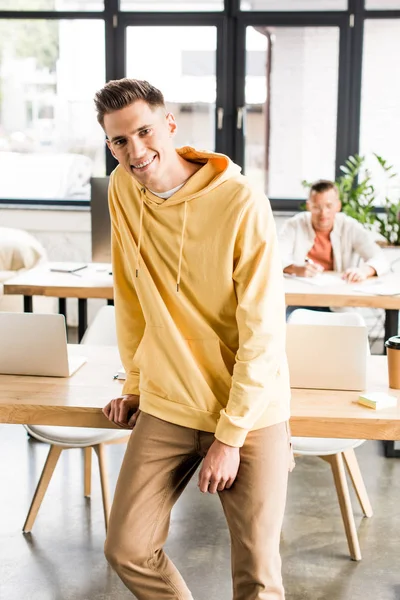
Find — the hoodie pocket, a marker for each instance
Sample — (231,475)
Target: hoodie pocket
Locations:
(189,371)
(208,359)
(151,364)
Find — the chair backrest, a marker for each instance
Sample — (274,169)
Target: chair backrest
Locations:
(102,330)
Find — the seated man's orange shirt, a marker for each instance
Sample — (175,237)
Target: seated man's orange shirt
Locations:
(321,252)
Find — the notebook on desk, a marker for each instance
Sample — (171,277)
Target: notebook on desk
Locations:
(327,357)
(35,344)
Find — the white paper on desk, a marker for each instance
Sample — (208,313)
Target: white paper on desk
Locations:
(378,288)
(322,279)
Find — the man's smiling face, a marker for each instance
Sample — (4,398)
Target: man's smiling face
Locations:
(140,138)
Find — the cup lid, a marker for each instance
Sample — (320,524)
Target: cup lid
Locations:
(393,342)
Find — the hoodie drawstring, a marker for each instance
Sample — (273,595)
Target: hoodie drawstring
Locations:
(178,279)
(140,234)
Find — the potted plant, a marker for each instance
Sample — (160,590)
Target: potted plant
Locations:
(359,198)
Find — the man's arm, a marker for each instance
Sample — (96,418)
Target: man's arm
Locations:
(309,269)
(129,318)
(260,371)
(260,318)
(369,251)
(287,239)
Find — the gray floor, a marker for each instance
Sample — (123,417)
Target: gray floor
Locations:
(63,559)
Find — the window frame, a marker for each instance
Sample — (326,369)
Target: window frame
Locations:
(231,26)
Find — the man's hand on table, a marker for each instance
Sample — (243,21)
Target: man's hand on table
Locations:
(219,468)
(123,410)
(356,274)
(309,269)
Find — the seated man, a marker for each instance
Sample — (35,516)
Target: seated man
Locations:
(324,239)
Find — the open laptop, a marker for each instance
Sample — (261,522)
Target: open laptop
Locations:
(327,357)
(35,344)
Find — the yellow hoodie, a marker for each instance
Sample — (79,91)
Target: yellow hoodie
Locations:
(199,300)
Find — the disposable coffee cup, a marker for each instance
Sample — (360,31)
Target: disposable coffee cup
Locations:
(393,356)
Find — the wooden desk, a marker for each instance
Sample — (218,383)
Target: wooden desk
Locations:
(96,282)
(77,401)
(298,293)
(93,282)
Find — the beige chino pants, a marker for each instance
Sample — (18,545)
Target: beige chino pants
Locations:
(159,462)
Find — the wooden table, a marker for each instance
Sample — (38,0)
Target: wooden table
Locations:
(78,400)
(93,282)
(96,282)
(298,293)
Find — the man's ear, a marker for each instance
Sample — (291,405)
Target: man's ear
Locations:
(308,207)
(171,123)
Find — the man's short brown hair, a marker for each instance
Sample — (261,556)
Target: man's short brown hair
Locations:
(323,185)
(120,93)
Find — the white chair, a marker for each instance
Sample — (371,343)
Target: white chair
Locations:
(337,452)
(100,332)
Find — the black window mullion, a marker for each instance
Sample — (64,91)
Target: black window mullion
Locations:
(357,35)
(344,122)
(112,52)
(222,79)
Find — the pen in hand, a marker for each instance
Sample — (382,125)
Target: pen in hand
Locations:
(309,261)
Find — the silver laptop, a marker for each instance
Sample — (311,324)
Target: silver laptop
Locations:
(35,344)
(327,357)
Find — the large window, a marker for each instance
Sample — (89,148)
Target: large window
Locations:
(380,115)
(292,5)
(172,5)
(57,5)
(50,144)
(185,72)
(291,106)
(287,88)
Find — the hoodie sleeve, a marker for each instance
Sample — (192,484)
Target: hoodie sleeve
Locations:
(128,313)
(260,316)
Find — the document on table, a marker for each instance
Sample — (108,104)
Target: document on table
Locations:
(322,279)
(378,287)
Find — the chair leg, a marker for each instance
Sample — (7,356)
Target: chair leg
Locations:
(353,468)
(87,479)
(339,476)
(100,451)
(48,469)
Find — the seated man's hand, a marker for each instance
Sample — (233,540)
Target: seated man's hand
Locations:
(355,274)
(309,269)
(123,410)
(219,468)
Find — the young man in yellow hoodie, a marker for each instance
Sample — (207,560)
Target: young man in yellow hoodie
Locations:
(200,317)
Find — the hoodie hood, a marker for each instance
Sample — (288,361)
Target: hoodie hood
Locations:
(216,169)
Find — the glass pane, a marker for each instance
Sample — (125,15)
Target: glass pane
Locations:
(380,121)
(382,4)
(185,73)
(50,141)
(172,5)
(291,105)
(294,5)
(57,5)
